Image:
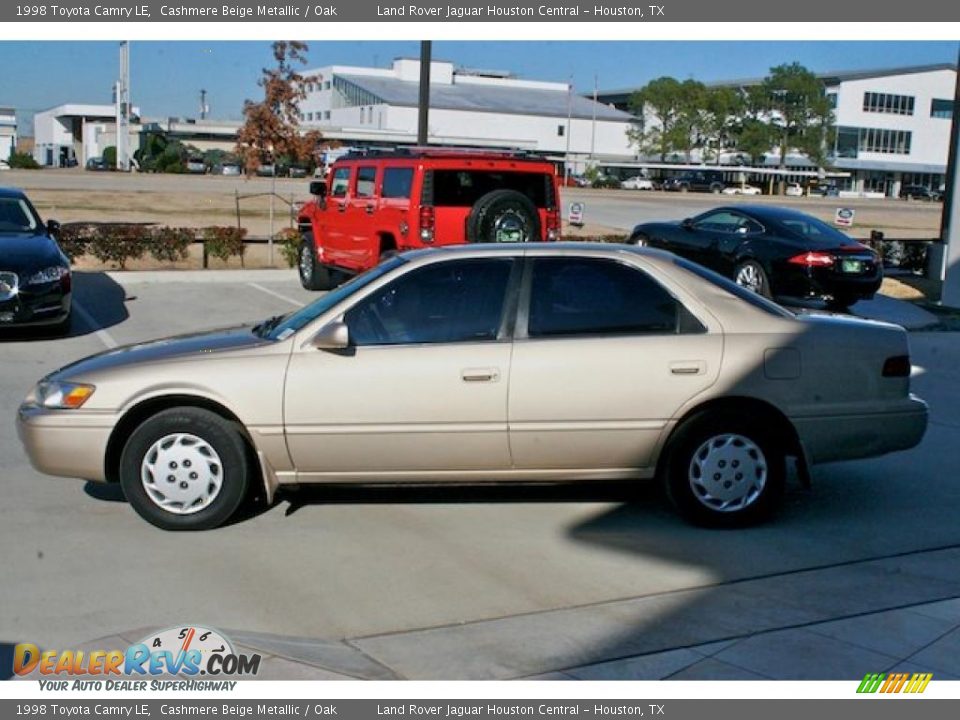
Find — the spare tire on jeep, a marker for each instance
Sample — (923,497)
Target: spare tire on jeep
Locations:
(503,216)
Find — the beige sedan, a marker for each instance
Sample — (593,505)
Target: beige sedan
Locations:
(487,363)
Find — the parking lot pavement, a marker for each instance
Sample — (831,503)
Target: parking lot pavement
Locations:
(627,577)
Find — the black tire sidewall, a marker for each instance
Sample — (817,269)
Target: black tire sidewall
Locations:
(319,278)
(689,437)
(764,278)
(225,439)
(485,211)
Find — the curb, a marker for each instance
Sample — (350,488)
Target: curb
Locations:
(135,277)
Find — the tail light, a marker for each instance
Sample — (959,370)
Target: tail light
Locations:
(812,259)
(897,366)
(553,223)
(427,223)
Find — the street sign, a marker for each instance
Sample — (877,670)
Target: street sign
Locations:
(844,217)
(575,214)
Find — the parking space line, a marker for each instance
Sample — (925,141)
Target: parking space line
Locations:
(88,320)
(268,291)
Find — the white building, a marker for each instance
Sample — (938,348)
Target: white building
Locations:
(72,134)
(892,126)
(8,132)
(467,107)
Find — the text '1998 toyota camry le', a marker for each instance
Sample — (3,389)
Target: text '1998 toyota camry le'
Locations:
(487,363)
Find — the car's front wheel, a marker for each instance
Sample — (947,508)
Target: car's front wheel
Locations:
(639,239)
(185,469)
(313,275)
(724,471)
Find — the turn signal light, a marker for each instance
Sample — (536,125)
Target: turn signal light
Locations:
(897,366)
(812,259)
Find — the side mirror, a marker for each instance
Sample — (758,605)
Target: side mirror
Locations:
(332,336)
(686,224)
(318,188)
(53,227)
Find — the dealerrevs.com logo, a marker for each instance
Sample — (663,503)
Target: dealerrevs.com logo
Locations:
(185,652)
(909,683)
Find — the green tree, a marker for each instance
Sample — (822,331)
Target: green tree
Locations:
(660,101)
(719,115)
(271,127)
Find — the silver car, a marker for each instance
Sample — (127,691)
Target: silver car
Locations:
(487,363)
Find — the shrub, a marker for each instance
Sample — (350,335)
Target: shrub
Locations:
(224,242)
(22,161)
(110,156)
(289,240)
(118,243)
(170,244)
(74,239)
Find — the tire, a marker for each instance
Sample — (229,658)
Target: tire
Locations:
(684,188)
(182,439)
(503,216)
(640,240)
(711,461)
(716,189)
(313,275)
(841,302)
(751,275)
(387,255)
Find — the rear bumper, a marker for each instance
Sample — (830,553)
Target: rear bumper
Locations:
(67,442)
(849,437)
(789,280)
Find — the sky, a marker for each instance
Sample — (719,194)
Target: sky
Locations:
(166,77)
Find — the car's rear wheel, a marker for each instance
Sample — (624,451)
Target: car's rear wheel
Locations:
(185,469)
(716,188)
(639,239)
(503,216)
(751,275)
(313,275)
(724,471)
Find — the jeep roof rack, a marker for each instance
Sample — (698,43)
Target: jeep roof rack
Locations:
(436,151)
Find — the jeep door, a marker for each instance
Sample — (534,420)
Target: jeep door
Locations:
(422,391)
(604,356)
(335,225)
(362,218)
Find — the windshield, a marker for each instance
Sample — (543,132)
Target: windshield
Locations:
(761,303)
(298,320)
(16,216)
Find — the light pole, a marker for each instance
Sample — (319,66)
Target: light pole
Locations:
(273,193)
(566,155)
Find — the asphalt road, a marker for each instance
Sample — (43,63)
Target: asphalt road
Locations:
(78,563)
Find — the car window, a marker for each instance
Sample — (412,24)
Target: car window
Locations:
(462,188)
(340,182)
(729,286)
(810,227)
(441,303)
(582,296)
(366,182)
(726,221)
(15,216)
(397,182)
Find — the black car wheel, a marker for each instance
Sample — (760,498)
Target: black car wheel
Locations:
(185,469)
(724,470)
(503,216)
(751,275)
(841,302)
(639,239)
(313,275)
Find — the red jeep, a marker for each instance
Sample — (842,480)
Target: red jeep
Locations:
(376,204)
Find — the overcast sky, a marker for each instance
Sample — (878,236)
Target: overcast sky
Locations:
(166,77)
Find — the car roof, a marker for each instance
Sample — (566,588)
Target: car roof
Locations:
(10,192)
(773,213)
(540,248)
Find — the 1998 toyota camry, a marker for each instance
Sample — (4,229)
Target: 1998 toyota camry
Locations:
(487,363)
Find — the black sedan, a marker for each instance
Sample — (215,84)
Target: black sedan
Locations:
(773,251)
(34,273)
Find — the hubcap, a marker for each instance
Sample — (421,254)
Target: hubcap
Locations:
(181,473)
(510,228)
(749,277)
(728,473)
(305,262)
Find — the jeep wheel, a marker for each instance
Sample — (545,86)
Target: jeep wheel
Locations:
(505,216)
(313,275)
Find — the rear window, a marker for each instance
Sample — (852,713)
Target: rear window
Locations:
(748,296)
(397,182)
(813,229)
(462,188)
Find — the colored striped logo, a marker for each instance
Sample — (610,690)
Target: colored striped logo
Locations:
(894,683)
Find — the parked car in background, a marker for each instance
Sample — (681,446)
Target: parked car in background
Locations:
(773,251)
(269,170)
(97,164)
(296,171)
(35,279)
(574,181)
(638,183)
(605,182)
(459,355)
(793,190)
(826,189)
(376,204)
(743,189)
(4,165)
(918,192)
(696,181)
(231,169)
(196,166)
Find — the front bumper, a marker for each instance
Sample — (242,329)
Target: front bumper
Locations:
(849,437)
(47,305)
(70,443)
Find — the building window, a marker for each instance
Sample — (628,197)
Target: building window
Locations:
(832,99)
(887,103)
(326,85)
(310,117)
(941,109)
(326,114)
(851,141)
(561,130)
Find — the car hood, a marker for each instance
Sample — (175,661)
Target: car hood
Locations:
(179,347)
(28,253)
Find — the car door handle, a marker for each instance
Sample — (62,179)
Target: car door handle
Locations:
(370,209)
(480,375)
(342,207)
(688,367)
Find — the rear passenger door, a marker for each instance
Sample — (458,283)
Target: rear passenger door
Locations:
(335,239)
(603,357)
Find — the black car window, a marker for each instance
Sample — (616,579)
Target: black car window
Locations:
(397,182)
(813,229)
(366,182)
(582,296)
(340,182)
(15,216)
(726,221)
(441,303)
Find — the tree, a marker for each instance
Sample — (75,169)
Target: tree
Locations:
(661,100)
(271,129)
(719,113)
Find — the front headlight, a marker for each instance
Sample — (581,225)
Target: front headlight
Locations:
(48,275)
(59,395)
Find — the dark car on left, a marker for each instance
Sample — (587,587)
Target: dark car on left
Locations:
(774,251)
(35,280)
